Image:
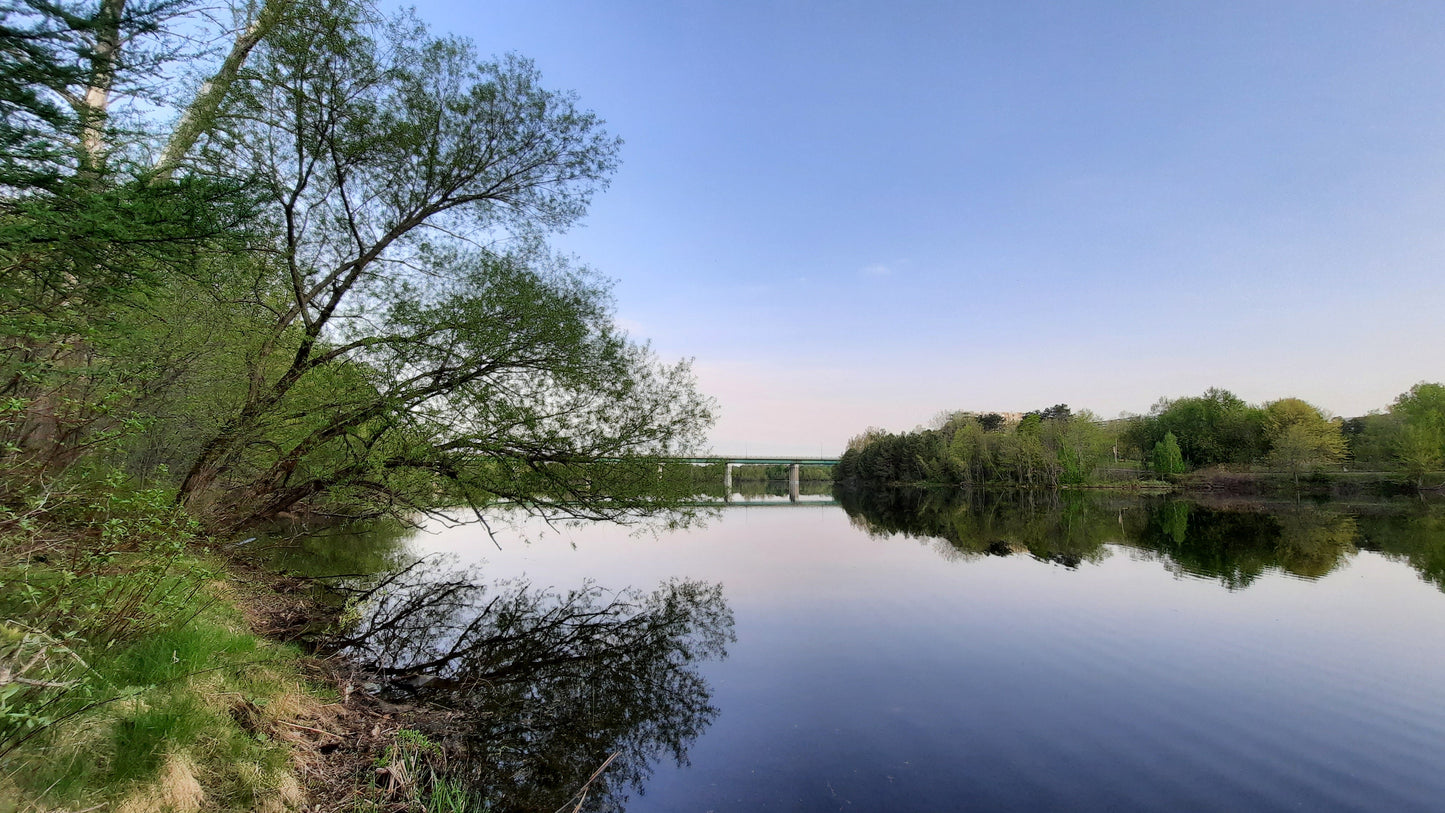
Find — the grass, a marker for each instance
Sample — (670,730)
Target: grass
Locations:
(165,705)
(414,779)
(129,677)
(131,681)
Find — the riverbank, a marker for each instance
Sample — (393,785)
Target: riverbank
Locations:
(295,670)
(1217,480)
(1333,484)
(146,668)
(189,710)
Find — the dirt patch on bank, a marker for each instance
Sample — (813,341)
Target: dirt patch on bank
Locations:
(339,732)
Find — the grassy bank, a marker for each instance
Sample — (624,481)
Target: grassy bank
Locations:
(132,677)
(185,717)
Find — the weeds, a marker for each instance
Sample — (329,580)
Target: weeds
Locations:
(120,667)
(412,775)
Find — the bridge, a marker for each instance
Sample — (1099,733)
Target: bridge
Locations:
(793,464)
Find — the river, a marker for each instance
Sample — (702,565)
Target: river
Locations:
(918,651)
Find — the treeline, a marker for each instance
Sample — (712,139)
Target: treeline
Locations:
(1056,446)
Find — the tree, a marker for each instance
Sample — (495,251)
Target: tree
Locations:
(1300,436)
(1081,442)
(399,353)
(1216,427)
(1422,405)
(1418,449)
(35,65)
(1057,412)
(1167,459)
(970,451)
(1370,439)
(374,324)
(86,241)
(991,421)
(1419,443)
(64,64)
(200,115)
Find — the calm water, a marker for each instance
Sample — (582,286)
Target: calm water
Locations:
(916,652)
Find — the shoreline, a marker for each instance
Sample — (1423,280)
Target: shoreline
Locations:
(239,708)
(1221,481)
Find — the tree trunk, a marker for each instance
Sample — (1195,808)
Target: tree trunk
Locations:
(94,107)
(201,114)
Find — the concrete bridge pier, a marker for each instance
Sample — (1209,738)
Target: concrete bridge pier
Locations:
(727,481)
(793,482)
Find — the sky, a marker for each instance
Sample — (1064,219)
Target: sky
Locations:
(859,214)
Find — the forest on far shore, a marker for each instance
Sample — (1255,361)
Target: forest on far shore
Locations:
(1057,446)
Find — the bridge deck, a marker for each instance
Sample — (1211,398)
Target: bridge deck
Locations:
(762,461)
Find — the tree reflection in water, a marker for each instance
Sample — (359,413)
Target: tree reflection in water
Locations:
(547,686)
(1233,544)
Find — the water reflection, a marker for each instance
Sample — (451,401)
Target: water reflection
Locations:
(805,491)
(1416,536)
(331,551)
(1234,544)
(1048,526)
(547,686)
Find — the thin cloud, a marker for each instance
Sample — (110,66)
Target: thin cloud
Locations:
(631,327)
(888,269)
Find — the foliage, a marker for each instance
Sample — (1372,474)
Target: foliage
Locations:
(33,65)
(478,373)
(374,325)
(1059,447)
(1300,436)
(1048,448)
(1216,427)
(1410,436)
(119,653)
(1167,459)
(1419,444)
(1369,438)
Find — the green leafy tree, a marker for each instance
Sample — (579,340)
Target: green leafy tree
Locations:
(1301,438)
(1422,405)
(375,324)
(970,451)
(36,49)
(1419,443)
(1167,459)
(88,241)
(397,359)
(1214,428)
(1419,450)
(1081,443)
(1370,439)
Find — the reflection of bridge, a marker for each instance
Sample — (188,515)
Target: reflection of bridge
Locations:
(793,464)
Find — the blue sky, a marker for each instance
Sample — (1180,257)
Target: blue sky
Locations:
(856,214)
